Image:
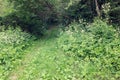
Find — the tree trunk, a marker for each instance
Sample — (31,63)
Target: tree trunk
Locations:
(97,8)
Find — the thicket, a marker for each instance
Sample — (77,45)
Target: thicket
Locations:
(97,48)
(13,45)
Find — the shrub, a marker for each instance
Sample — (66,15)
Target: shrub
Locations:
(31,16)
(98,46)
(26,21)
(13,44)
(4,9)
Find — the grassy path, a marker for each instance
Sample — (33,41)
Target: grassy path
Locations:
(44,62)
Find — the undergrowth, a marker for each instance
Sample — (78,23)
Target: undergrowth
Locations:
(97,49)
(13,45)
(80,51)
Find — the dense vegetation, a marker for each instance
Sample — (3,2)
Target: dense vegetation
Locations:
(13,45)
(59,40)
(96,49)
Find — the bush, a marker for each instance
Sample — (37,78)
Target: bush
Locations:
(4,9)
(13,44)
(31,16)
(99,46)
(26,21)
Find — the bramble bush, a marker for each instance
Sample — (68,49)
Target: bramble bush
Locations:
(13,44)
(97,48)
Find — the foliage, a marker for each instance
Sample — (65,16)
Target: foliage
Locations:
(99,46)
(31,16)
(35,15)
(81,50)
(4,9)
(13,44)
(114,12)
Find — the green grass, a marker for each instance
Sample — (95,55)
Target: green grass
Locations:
(45,61)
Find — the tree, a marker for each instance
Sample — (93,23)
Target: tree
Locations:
(97,8)
(32,15)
